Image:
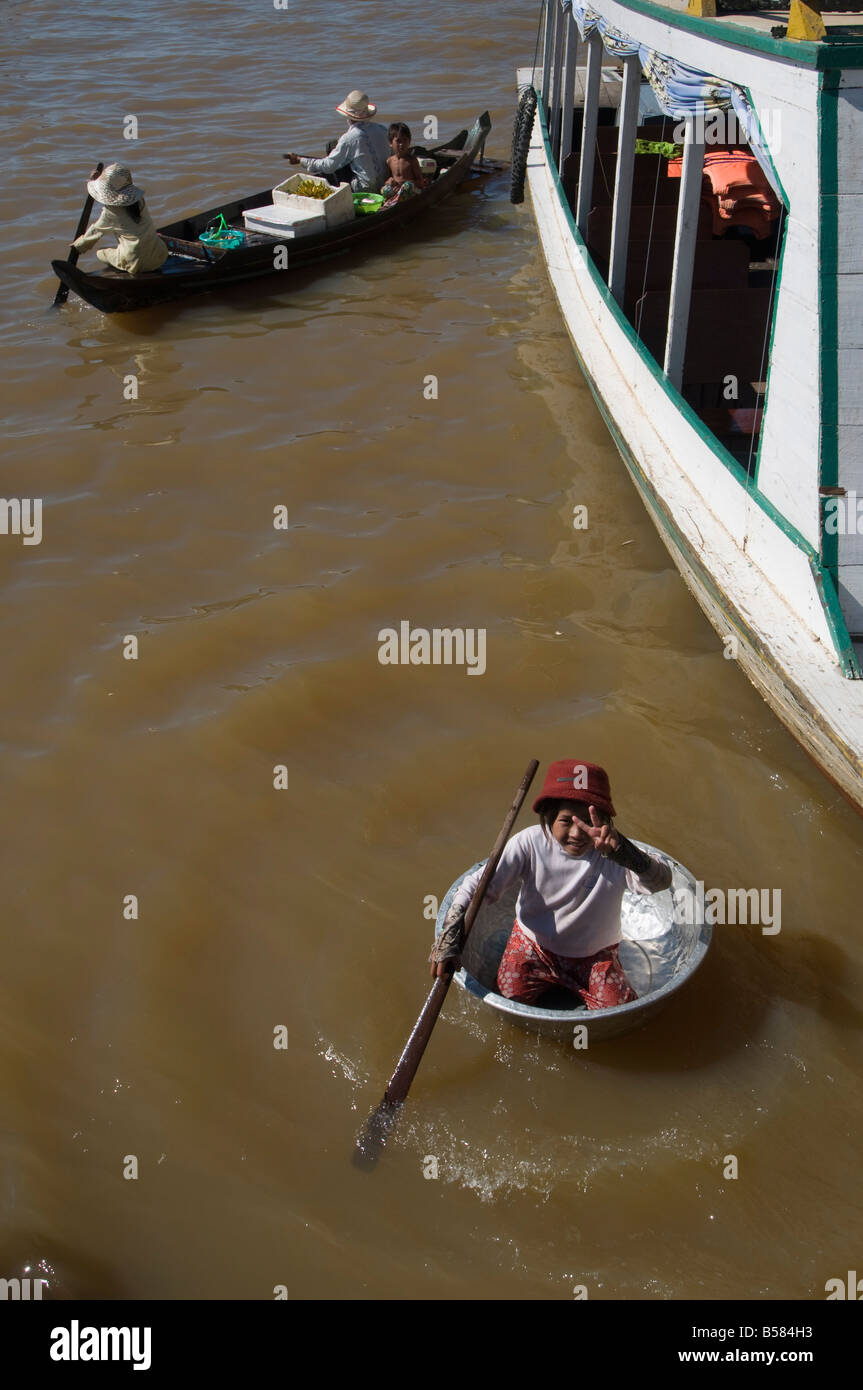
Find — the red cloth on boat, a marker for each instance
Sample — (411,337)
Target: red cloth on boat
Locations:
(526,971)
(739,194)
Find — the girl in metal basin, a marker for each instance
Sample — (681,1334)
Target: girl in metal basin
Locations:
(573,868)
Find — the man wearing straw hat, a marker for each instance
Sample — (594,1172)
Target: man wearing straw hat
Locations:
(362,152)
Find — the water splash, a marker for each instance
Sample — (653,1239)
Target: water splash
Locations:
(342,1066)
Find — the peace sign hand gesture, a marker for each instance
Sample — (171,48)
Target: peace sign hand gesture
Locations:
(603,834)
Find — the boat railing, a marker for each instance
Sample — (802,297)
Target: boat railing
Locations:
(694,299)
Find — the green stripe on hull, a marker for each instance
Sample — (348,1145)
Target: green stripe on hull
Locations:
(835,52)
(828,296)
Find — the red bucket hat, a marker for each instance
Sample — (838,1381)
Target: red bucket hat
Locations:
(571,780)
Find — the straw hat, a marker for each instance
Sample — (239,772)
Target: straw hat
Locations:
(114,187)
(357,107)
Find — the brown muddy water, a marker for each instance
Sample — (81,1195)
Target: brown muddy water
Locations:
(153,1037)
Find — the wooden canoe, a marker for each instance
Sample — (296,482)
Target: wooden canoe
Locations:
(195,268)
(658,953)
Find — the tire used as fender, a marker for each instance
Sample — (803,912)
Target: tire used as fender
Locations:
(521,133)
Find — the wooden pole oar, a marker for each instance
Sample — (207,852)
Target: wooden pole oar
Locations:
(72,259)
(381,1121)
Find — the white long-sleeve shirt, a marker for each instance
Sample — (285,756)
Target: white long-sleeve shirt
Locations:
(568,906)
(366,149)
(139,246)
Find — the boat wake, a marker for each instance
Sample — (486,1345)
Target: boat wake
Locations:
(535,1162)
(546,1163)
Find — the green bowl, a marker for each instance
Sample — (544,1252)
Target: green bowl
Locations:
(365,203)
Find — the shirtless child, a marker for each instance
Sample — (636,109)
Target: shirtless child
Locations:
(404,174)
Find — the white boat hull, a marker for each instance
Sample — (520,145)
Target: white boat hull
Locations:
(754,581)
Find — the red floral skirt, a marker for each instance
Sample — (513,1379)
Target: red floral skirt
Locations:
(526,971)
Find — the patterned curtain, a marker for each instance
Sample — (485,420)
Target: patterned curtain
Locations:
(681,91)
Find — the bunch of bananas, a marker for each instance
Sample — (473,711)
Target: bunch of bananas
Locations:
(308,188)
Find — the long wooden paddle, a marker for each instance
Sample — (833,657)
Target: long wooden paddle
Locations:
(72,259)
(381,1121)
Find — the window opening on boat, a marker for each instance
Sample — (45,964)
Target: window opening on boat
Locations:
(738,241)
(773,268)
(637,321)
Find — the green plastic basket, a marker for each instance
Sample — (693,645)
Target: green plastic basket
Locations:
(364,203)
(219,234)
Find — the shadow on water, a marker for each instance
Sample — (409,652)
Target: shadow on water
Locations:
(717,1015)
(707,1021)
(809,971)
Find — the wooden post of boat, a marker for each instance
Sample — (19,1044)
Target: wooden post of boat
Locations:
(547,43)
(379,1124)
(556,113)
(72,259)
(554,77)
(684,254)
(623,175)
(588,134)
(568,92)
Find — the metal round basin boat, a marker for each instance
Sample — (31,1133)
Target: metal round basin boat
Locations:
(660,949)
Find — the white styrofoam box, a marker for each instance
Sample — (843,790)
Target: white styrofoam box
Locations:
(284,192)
(337,207)
(275,219)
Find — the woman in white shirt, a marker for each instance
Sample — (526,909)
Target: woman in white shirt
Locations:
(573,869)
(139,247)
